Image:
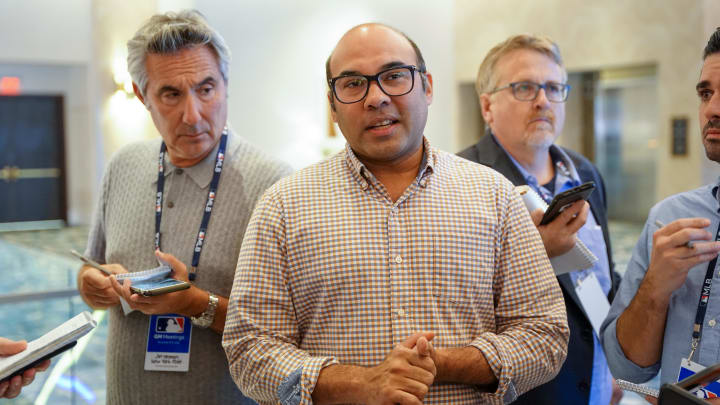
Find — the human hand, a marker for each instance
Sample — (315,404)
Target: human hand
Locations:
(559,235)
(175,302)
(405,376)
(671,258)
(11,387)
(617,393)
(651,400)
(96,288)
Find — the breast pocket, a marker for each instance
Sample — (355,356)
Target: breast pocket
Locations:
(462,267)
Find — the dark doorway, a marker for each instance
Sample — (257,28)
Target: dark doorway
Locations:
(32,162)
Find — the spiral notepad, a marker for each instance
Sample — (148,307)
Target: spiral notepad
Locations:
(577,258)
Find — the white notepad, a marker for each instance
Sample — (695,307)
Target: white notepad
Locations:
(48,343)
(577,258)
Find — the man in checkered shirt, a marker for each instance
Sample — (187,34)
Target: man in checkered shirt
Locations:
(391,273)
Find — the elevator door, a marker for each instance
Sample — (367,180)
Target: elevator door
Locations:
(626,134)
(32,162)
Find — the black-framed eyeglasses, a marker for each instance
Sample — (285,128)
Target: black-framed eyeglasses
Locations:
(528,91)
(395,81)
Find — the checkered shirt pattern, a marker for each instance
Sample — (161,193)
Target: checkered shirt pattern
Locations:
(331,270)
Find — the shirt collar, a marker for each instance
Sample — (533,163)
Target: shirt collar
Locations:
(364,177)
(564,167)
(202,172)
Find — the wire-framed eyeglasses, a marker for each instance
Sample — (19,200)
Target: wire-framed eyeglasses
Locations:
(528,91)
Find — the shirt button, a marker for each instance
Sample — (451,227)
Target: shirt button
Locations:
(170,204)
(179,171)
(398,259)
(711,323)
(401,312)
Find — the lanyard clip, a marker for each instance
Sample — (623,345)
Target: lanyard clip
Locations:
(693,347)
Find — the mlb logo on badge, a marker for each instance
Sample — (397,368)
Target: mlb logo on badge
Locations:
(170,324)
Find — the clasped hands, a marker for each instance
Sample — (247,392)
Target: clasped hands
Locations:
(405,375)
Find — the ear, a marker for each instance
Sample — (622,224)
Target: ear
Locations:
(428,88)
(138,94)
(331,100)
(485,108)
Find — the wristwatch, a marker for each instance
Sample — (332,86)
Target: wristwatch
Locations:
(208,316)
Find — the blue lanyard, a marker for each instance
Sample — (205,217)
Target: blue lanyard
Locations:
(702,303)
(212,193)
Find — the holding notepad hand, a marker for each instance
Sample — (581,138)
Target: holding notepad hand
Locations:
(179,302)
(11,387)
(560,235)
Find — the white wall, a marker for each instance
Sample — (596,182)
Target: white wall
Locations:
(277,78)
(45,31)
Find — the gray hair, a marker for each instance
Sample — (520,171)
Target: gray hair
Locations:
(169,33)
(487,76)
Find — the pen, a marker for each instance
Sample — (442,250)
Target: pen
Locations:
(689,244)
(91,263)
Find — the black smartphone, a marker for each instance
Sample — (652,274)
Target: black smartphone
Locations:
(680,393)
(40,360)
(564,199)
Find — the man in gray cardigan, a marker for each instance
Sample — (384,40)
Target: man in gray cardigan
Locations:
(191,195)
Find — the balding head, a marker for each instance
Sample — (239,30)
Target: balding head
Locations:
(366,29)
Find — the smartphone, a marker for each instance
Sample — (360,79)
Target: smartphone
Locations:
(40,360)
(683,392)
(158,287)
(565,199)
(638,388)
(91,262)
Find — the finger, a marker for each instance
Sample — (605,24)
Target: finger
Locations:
(9,347)
(179,268)
(576,222)
(404,398)
(681,223)
(572,212)
(697,249)
(422,346)
(651,400)
(411,340)
(14,387)
(536,216)
(43,366)
(28,376)
(685,235)
(116,286)
(415,387)
(3,388)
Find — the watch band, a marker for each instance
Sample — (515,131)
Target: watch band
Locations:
(208,316)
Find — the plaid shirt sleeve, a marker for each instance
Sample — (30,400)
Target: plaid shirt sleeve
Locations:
(530,343)
(261,336)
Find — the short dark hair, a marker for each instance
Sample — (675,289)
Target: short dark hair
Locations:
(418,55)
(713,45)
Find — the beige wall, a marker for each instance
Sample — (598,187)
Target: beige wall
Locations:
(612,33)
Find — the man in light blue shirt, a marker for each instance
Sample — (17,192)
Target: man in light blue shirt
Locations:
(651,322)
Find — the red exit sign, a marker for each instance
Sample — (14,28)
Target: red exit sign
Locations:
(9,86)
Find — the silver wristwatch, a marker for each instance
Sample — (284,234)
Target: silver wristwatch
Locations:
(208,316)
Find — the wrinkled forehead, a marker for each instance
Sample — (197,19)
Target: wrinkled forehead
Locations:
(528,64)
(367,48)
